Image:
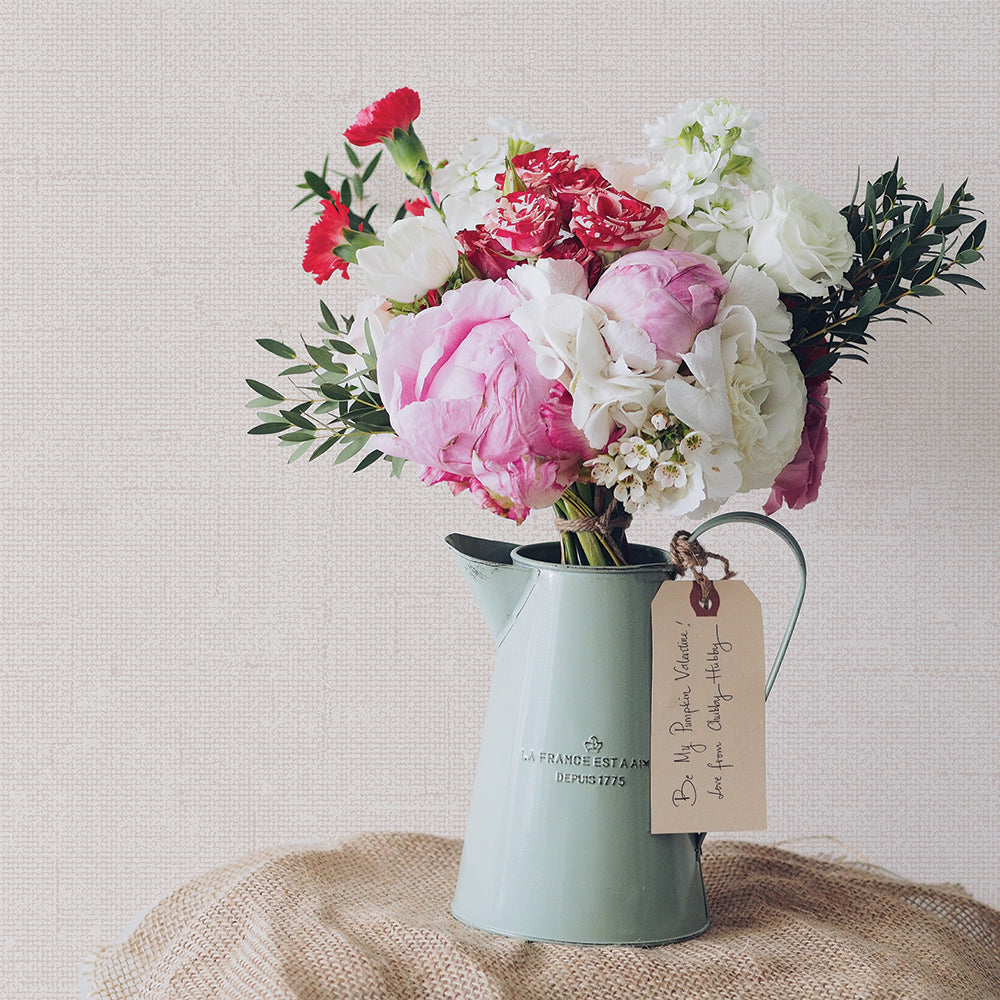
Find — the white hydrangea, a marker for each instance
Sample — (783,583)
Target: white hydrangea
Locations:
(610,367)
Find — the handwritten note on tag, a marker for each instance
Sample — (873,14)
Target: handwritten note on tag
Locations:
(707,738)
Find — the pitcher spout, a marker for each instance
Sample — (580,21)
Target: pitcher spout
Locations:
(496,583)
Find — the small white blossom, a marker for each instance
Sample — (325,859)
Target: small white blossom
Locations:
(637,453)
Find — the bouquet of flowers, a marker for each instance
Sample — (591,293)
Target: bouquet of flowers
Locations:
(545,330)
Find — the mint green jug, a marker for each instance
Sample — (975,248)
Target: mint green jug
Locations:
(558,844)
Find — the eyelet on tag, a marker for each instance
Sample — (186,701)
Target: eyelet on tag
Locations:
(701,610)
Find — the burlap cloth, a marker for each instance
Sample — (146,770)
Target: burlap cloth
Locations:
(369,920)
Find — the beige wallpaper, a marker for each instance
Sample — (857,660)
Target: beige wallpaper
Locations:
(208,651)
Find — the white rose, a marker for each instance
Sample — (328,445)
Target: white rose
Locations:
(418,254)
(767,397)
(799,239)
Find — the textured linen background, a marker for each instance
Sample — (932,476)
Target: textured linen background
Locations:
(209,651)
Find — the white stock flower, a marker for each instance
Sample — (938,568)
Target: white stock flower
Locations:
(467,182)
(679,181)
(799,239)
(419,254)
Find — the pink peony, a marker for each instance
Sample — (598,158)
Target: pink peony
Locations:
(610,220)
(525,222)
(670,294)
(798,482)
(466,400)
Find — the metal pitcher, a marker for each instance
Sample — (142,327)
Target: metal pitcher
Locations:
(553,851)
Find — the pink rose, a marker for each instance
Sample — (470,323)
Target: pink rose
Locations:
(798,482)
(525,222)
(610,220)
(466,400)
(670,294)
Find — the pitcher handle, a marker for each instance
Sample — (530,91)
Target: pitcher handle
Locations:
(786,536)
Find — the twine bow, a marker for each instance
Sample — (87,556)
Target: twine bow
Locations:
(612,517)
(689,555)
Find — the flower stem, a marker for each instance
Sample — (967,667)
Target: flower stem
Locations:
(588,548)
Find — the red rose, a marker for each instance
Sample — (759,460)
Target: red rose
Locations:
(484,253)
(326,234)
(798,482)
(380,120)
(525,222)
(568,185)
(572,249)
(535,168)
(608,219)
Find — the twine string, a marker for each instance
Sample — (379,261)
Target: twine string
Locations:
(603,524)
(689,555)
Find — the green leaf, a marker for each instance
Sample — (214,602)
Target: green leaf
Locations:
(351,155)
(321,356)
(338,392)
(925,290)
(370,458)
(870,301)
(256,404)
(298,370)
(370,169)
(277,347)
(324,447)
(319,186)
(351,448)
(269,428)
(962,279)
(264,390)
(296,417)
(968,257)
(341,347)
(300,451)
(328,316)
(397,466)
(938,203)
(345,193)
(300,435)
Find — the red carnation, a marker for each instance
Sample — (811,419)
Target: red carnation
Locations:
(326,234)
(417,206)
(380,120)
